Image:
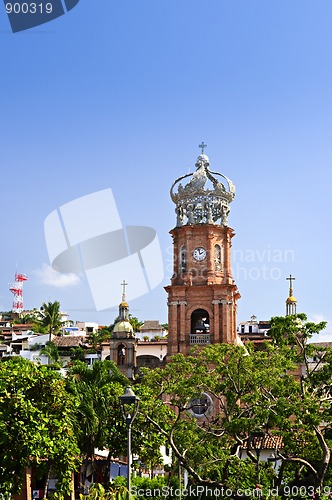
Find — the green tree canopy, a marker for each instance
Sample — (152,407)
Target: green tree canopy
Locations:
(246,393)
(312,409)
(37,417)
(100,422)
(97,338)
(135,323)
(97,390)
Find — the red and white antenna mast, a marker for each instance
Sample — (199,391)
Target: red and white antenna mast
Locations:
(17,289)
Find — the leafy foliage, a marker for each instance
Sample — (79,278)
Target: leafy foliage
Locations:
(97,338)
(251,392)
(283,392)
(51,351)
(311,423)
(25,317)
(97,390)
(37,418)
(99,492)
(49,319)
(135,323)
(146,439)
(133,320)
(77,353)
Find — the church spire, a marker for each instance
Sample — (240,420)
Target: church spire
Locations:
(124,284)
(123,341)
(291,300)
(123,307)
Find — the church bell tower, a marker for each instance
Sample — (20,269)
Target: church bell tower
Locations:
(123,341)
(202,296)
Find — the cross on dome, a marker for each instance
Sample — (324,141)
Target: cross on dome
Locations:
(124,284)
(202,146)
(291,278)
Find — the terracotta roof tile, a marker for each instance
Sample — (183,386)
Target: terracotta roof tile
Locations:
(69,341)
(151,325)
(268,442)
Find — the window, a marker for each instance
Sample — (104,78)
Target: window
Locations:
(183,260)
(121,355)
(217,258)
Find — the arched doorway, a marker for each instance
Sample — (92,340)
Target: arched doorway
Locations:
(148,361)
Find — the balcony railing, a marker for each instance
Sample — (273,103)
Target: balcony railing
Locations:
(199,338)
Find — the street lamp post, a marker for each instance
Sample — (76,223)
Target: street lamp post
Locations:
(272,460)
(129,401)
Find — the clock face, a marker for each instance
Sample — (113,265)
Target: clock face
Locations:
(199,253)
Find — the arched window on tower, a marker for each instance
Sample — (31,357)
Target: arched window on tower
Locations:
(200,321)
(217,258)
(121,355)
(183,260)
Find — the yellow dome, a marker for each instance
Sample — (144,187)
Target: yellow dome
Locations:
(123,304)
(291,299)
(123,327)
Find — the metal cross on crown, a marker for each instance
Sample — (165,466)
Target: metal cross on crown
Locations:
(202,146)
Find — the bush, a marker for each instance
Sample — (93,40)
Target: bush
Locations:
(159,488)
(98,492)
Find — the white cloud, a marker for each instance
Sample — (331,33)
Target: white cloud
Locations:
(325,335)
(317,318)
(48,276)
(321,337)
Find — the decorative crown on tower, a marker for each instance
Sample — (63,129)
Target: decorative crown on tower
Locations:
(197,203)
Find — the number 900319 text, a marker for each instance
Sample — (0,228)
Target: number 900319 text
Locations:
(28,8)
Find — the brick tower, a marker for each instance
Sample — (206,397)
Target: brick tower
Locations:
(202,296)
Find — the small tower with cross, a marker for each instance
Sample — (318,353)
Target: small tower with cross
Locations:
(291,300)
(123,342)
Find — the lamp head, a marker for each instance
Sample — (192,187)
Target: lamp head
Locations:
(129,397)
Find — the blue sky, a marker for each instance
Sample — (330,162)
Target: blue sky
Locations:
(120,93)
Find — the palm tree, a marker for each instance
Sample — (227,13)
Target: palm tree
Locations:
(97,338)
(97,390)
(49,319)
(135,323)
(51,351)
(133,320)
